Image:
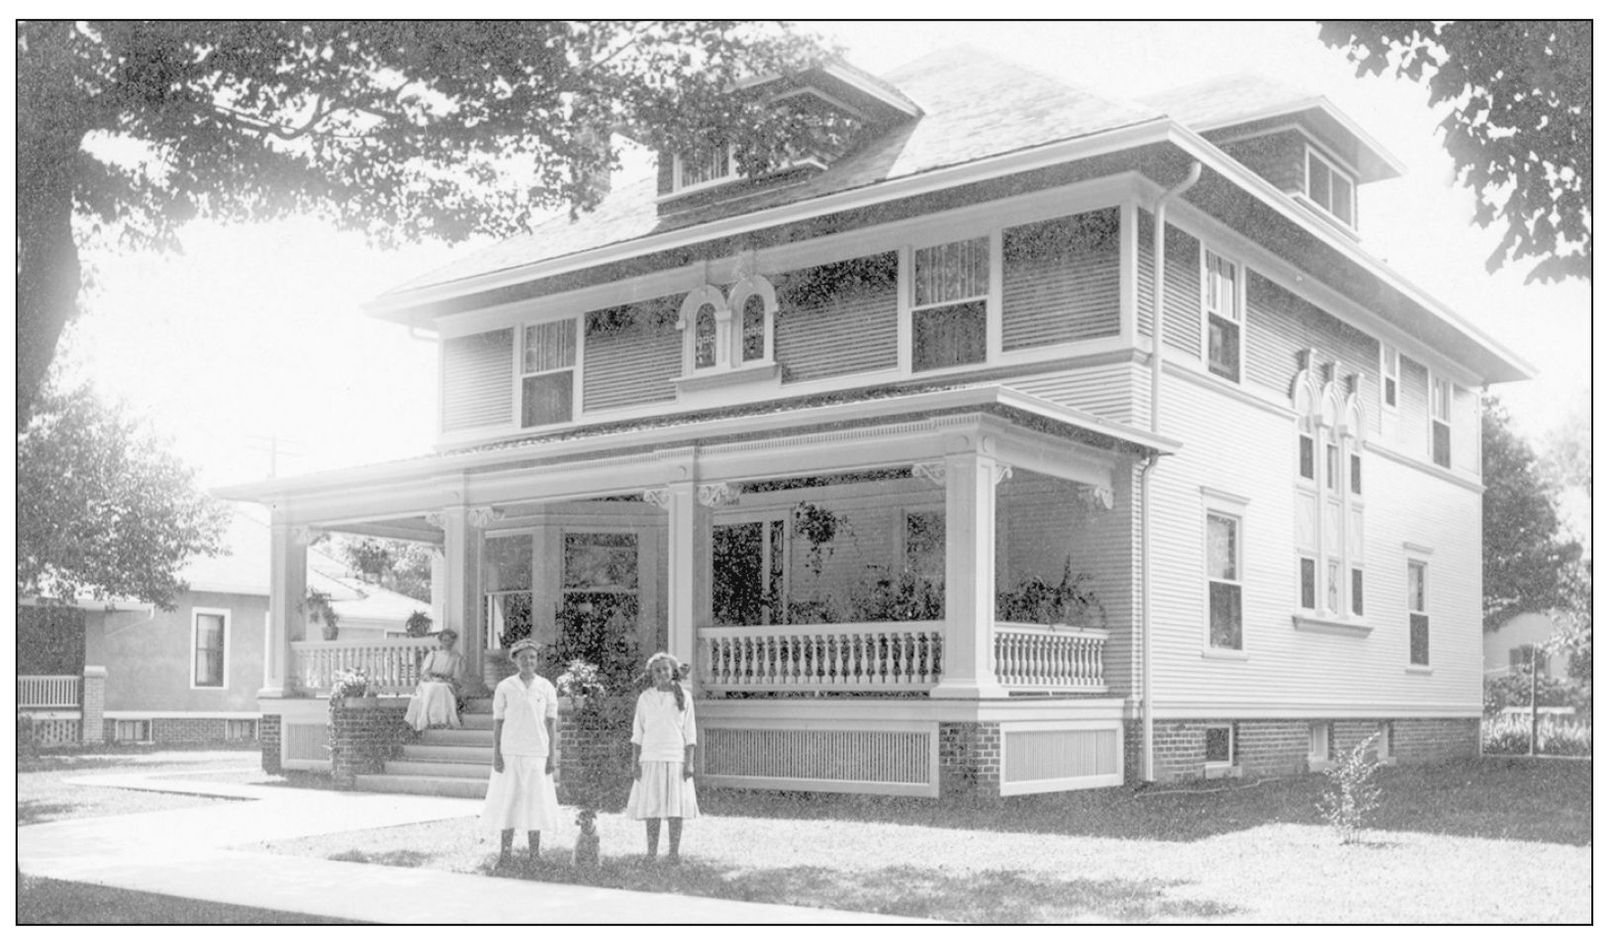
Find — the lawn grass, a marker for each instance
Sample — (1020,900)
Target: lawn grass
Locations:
(1469,841)
(59,902)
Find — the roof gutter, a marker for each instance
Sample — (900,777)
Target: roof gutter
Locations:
(1156,359)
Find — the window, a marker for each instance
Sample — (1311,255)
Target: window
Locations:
(1318,741)
(1390,378)
(1354,474)
(1527,656)
(726,331)
(132,730)
(1419,625)
(747,560)
(1224,319)
(926,545)
(707,168)
(1357,591)
(1331,466)
(600,570)
(508,574)
(1219,747)
(1307,456)
(240,729)
(1222,566)
(1441,422)
(547,380)
(754,328)
(208,649)
(704,338)
(949,289)
(1328,509)
(1309,582)
(1331,189)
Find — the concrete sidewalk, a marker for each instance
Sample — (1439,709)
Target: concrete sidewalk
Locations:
(182,852)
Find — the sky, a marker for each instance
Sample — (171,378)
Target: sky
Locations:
(256,332)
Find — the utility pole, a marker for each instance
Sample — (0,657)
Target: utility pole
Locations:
(276,447)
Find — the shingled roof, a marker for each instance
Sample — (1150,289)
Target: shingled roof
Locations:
(975,106)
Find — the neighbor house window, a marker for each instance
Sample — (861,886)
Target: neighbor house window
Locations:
(1223,316)
(1419,622)
(1441,422)
(1527,656)
(1222,570)
(208,649)
(1331,189)
(132,730)
(949,292)
(240,729)
(547,374)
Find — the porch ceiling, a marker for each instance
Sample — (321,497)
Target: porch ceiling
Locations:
(725,445)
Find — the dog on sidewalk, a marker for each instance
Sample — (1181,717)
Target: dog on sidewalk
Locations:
(587,852)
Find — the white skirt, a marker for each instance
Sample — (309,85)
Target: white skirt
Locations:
(432,704)
(662,793)
(521,797)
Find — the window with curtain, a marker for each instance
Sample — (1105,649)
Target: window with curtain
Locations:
(547,373)
(949,291)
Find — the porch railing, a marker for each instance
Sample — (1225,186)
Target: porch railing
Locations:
(390,664)
(47,692)
(867,657)
(1040,657)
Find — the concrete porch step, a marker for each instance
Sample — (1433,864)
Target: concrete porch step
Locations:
(422,768)
(471,737)
(477,706)
(421,785)
(482,720)
(452,753)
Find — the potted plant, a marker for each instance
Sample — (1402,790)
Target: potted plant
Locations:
(317,607)
(1069,602)
(418,625)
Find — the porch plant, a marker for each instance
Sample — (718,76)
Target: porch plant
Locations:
(317,607)
(418,625)
(598,722)
(1069,602)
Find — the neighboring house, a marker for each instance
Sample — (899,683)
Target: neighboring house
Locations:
(1033,442)
(1510,647)
(193,673)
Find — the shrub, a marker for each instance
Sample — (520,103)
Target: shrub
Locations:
(349,682)
(1348,803)
(1513,735)
(1515,689)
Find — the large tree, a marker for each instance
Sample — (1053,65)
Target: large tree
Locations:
(401,129)
(1520,122)
(1525,560)
(103,509)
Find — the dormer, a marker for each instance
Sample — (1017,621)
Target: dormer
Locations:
(862,104)
(1301,144)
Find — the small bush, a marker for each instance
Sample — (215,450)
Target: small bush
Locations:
(1348,803)
(1513,735)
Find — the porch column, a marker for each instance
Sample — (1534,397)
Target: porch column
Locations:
(688,507)
(967,659)
(459,610)
(285,622)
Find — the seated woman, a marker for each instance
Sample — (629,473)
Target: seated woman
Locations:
(434,703)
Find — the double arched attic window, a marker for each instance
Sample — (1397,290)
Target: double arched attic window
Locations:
(724,331)
(1329,490)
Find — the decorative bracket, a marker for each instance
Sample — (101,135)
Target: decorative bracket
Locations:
(1096,496)
(717,493)
(933,471)
(482,516)
(304,535)
(435,519)
(660,497)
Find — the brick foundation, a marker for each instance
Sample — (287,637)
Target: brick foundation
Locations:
(1271,747)
(1132,752)
(93,705)
(364,733)
(270,743)
(1435,738)
(594,755)
(971,762)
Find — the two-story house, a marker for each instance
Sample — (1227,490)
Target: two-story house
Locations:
(1035,442)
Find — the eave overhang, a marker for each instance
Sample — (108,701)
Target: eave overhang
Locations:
(718,426)
(1372,161)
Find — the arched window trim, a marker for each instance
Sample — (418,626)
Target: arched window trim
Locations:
(698,299)
(728,308)
(1330,422)
(739,298)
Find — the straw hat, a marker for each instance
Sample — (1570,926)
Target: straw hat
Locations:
(524,644)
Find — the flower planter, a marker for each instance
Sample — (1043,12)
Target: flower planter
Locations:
(360,702)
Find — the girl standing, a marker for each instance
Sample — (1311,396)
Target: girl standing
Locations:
(521,794)
(663,736)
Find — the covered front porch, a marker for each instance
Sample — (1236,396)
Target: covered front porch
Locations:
(865,583)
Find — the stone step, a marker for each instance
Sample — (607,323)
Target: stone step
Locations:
(478,720)
(453,753)
(421,785)
(421,768)
(476,706)
(470,737)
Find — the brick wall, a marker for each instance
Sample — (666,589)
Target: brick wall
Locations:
(1132,752)
(270,743)
(363,734)
(93,703)
(1435,738)
(1344,736)
(971,761)
(1270,748)
(594,755)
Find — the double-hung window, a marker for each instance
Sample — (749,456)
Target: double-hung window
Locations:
(1390,376)
(547,374)
(1441,422)
(950,286)
(1225,597)
(507,578)
(1331,189)
(1419,622)
(208,646)
(1224,317)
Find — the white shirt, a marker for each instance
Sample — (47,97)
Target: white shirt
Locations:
(523,712)
(660,728)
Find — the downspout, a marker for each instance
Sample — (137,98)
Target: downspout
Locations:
(1156,352)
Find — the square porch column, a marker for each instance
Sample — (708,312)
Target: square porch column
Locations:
(967,659)
(688,509)
(289,546)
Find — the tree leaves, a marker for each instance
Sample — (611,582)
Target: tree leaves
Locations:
(103,510)
(1521,127)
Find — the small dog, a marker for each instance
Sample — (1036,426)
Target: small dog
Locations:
(586,850)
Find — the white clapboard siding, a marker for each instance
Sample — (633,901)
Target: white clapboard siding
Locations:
(476,381)
(854,331)
(1466,432)
(1069,292)
(1413,410)
(1106,391)
(1279,325)
(1181,322)
(1286,670)
(631,365)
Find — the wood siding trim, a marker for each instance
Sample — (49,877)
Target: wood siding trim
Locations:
(476,381)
